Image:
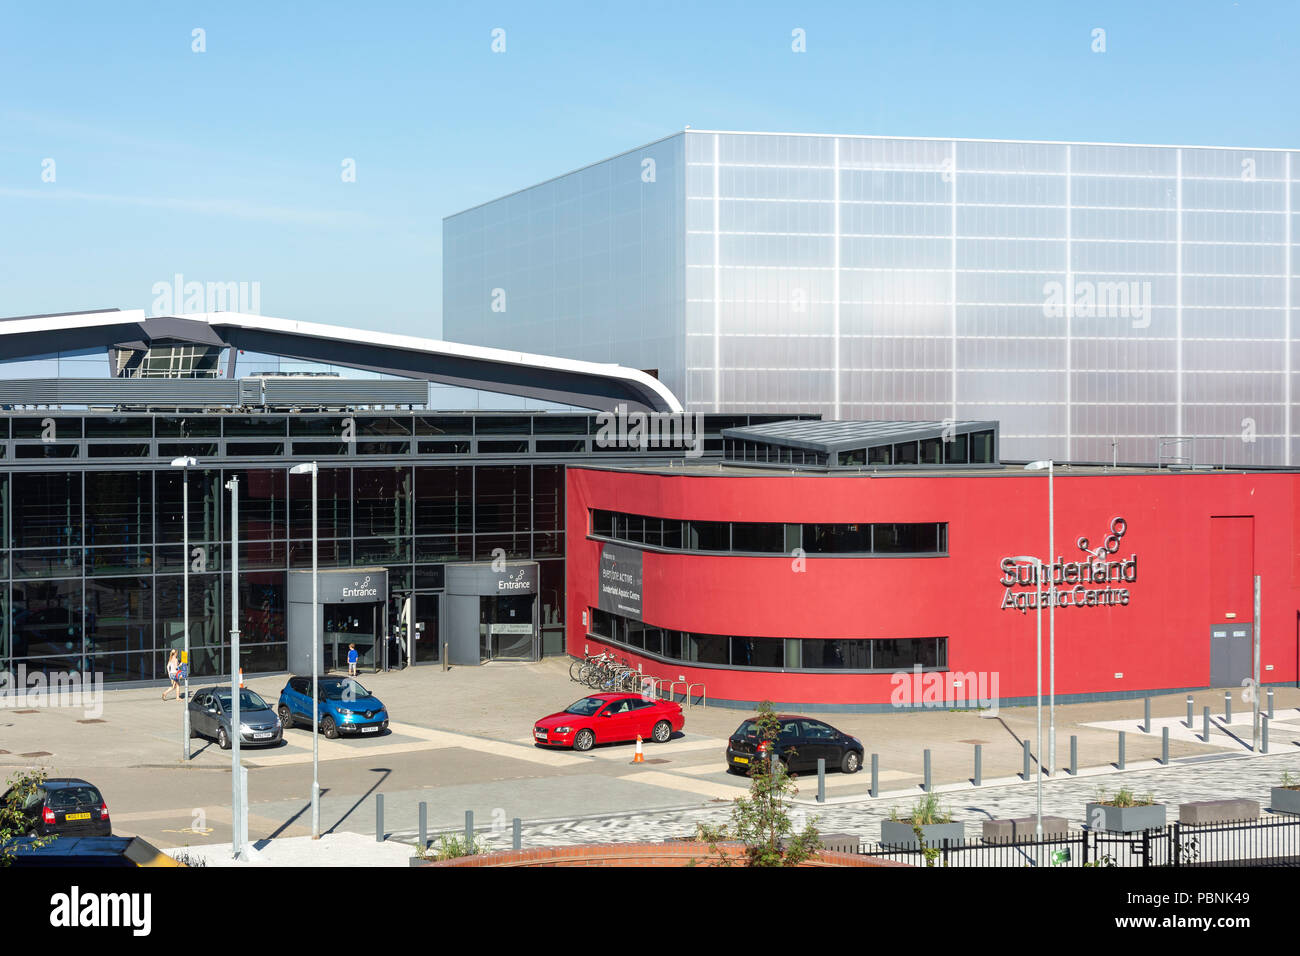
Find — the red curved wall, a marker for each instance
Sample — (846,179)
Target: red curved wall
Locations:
(1189,574)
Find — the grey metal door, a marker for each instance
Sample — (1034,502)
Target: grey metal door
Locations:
(1231,654)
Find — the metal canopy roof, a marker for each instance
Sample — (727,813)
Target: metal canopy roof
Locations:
(567,381)
(836,436)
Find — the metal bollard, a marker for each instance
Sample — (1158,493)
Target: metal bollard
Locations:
(1164,746)
(424,825)
(1074,756)
(379,818)
(928,786)
(1227,707)
(821,779)
(1120,764)
(1270,703)
(979,769)
(517,834)
(1146,720)
(1025,773)
(875,775)
(446,652)
(469,831)
(1190,716)
(1205,723)
(1263,737)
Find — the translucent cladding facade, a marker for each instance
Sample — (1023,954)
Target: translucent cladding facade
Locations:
(587,266)
(1098,300)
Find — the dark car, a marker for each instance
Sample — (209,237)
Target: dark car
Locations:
(800,743)
(211,712)
(65,806)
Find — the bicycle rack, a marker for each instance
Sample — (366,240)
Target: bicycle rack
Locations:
(704,694)
(672,684)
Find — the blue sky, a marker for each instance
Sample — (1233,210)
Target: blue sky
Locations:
(225,165)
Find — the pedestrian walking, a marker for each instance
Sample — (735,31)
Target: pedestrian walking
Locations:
(352,660)
(173,675)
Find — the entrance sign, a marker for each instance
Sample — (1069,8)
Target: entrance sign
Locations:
(1085,583)
(620,581)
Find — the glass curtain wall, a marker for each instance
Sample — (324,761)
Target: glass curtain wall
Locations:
(91,563)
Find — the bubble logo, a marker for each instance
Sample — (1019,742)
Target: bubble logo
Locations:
(1118,528)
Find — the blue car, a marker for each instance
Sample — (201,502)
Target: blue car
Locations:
(345,707)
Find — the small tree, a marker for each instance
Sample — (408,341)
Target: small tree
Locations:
(13,822)
(761,821)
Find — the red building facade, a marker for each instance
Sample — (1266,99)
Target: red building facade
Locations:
(1153,578)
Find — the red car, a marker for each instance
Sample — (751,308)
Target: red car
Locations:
(605,718)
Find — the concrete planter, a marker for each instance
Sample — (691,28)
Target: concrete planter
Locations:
(893,833)
(1284,800)
(1125,819)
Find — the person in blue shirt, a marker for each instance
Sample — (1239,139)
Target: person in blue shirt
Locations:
(352,660)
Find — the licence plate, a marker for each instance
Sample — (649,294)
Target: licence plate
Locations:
(740,759)
(77,816)
(262,736)
(539,734)
(370,730)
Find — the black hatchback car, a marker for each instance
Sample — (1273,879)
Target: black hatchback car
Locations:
(65,806)
(800,743)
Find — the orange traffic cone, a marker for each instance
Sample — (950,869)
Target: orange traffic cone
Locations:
(639,757)
(241,678)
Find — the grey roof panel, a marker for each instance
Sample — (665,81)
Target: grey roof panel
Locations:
(834,436)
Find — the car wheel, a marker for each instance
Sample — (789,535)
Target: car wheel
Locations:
(286,716)
(663,730)
(584,741)
(329,728)
(223,739)
(851,763)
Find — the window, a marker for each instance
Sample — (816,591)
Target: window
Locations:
(708,536)
(752,536)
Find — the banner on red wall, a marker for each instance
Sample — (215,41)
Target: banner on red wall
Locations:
(620,581)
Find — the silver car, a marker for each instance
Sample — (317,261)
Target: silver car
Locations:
(210,712)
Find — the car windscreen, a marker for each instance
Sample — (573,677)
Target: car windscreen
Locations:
(247,701)
(64,798)
(585,707)
(342,690)
(748,729)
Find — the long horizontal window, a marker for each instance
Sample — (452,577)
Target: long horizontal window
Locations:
(771,537)
(771,653)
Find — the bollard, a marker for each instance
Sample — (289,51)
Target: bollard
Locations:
(1190,717)
(875,775)
(424,826)
(517,834)
(928,786)
(1025,773)
(1146,720)
(469,831)
(1164,746)
(1227,707)
(1074,756)
(821,779)
(979,760)
(1205,722)
(379,818)
(1120,764)
(1263,737)
(1270,703)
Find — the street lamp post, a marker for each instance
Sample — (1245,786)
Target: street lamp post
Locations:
(185,464)
(1050,465)
(314,471)
(1037,563)
(236,800)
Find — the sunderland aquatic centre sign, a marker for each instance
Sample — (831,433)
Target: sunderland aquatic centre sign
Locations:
(620,581)
(1096,581)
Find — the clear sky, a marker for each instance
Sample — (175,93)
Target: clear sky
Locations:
(226,165)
